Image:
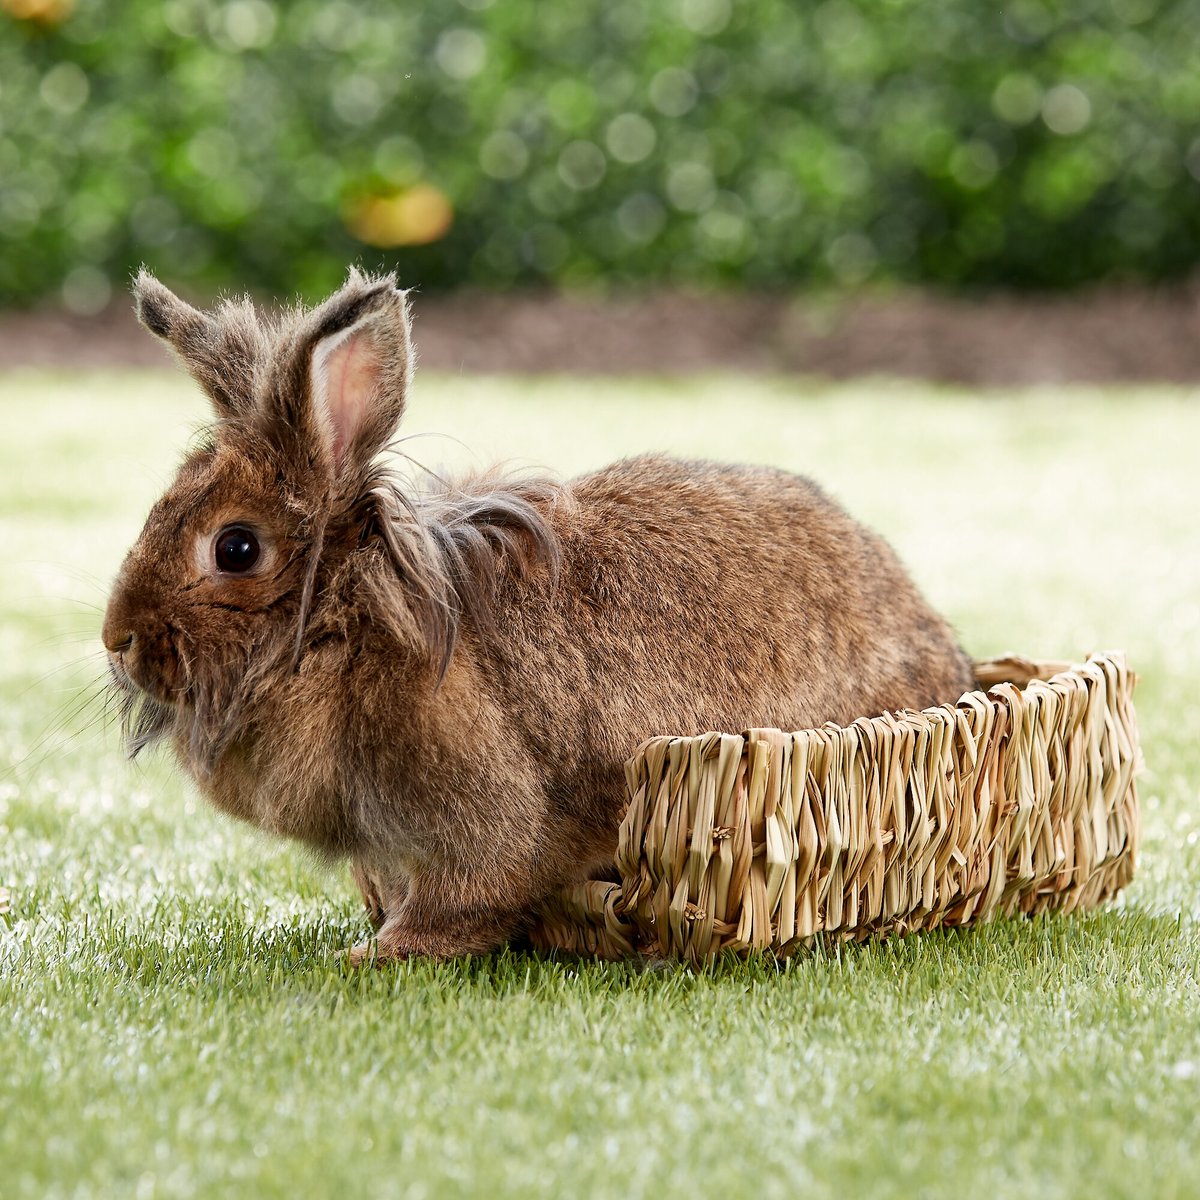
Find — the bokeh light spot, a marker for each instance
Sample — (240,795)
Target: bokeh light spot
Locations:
(775,193)
(673,91)
(338,25)
(706,17)
(1066,110)
(630,138)
(503,155)
(154,220)
(852,257)
(721,231)
(838,23)
(357,99)
(974,164)
(181,18)
(19,211)
(213,151)
(461,53)
(399,160)
(572,103)
(1017,98)
(690,186)
(64,88)
(641,218)
(86,291)
(249,24)
(48,12)
(582,165)
(413,217)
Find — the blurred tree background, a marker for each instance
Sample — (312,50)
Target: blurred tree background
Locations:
(747,143)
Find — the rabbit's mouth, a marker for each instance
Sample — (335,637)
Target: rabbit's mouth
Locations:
(131,681)
(144,717)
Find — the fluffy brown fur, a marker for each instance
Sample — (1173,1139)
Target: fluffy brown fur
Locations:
(441,682)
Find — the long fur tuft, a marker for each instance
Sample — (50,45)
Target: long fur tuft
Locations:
(450,543)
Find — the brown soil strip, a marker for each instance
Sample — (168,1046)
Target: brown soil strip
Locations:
(1106,335)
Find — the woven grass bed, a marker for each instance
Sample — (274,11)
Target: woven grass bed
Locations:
(1018,799)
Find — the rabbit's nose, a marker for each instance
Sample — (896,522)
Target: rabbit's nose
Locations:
(117,641)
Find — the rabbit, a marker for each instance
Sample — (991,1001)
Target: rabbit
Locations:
(441,683)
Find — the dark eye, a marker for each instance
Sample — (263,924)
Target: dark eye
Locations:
(236,550)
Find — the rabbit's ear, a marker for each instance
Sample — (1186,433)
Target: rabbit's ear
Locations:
(219,349)
(350,374)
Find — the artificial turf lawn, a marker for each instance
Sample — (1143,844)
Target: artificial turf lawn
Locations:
(176,1022)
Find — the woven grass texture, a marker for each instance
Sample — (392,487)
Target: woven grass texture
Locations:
(1018,799)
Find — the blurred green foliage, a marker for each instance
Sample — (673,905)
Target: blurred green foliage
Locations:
(758,143)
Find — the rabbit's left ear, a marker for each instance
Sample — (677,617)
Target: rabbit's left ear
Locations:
(349,375)
(220,348)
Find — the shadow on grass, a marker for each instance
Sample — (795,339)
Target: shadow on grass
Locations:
(217,950)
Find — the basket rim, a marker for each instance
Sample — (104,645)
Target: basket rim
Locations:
(1008,672)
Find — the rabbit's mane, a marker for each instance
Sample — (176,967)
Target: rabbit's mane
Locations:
(450,544)
(448,547)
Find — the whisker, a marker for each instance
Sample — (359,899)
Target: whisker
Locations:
(66,721)
(65,638)
(76,573)
(73,664)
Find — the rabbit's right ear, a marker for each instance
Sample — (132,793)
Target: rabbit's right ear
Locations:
(343,383)
(219,349)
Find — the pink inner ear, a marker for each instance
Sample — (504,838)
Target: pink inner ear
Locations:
(347,377)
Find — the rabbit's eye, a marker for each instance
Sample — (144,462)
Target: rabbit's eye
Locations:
(236,550)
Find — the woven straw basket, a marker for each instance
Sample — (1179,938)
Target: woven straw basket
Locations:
(1020,799)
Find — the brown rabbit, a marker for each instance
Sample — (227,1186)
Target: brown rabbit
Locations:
(442,683)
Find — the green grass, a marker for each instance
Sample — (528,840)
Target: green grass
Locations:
(176,1022)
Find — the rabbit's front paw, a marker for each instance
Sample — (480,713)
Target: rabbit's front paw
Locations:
(451,937)
(396,945)
(364,954)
